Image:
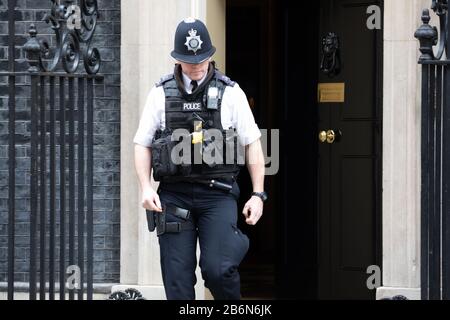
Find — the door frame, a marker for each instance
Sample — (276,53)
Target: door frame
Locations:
(379,95)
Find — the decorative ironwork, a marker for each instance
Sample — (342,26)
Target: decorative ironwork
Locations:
(428,35)
(73,25)
(440,7)
(435,154)
(64,98)
(331,60)
(128,294)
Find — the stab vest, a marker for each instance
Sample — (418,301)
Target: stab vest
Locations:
(183,109)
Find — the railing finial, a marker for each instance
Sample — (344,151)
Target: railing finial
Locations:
(33,50)
(73,25)
(427,37)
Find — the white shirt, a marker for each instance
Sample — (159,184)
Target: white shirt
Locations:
(235,112)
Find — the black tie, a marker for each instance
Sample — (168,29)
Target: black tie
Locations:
(194,85)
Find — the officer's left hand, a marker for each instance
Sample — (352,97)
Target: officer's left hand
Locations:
(253,210)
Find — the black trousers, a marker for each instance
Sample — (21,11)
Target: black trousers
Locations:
(222,244)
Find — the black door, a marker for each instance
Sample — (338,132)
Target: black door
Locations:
(349,141)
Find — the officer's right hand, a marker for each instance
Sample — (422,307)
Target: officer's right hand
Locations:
(150,200)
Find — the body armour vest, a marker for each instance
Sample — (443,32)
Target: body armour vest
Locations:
(199,113)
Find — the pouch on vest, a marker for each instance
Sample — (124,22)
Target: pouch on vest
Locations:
(162,163)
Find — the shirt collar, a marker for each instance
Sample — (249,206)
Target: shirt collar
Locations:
(187,81)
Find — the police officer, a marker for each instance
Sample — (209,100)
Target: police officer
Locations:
(199,201)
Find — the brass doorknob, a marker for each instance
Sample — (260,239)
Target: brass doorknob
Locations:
(323,136)
(331,136)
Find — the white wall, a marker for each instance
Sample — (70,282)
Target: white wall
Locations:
(401,149)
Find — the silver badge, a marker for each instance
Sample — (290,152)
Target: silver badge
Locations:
(193,42)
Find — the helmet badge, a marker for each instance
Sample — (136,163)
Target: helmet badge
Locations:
(193,42)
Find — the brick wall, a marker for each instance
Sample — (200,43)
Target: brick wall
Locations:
(106,139)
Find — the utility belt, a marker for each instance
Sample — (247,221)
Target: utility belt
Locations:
(157,220)
(224,183)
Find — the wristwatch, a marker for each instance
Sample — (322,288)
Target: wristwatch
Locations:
(262,195)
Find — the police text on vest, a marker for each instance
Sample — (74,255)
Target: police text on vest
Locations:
(192,106)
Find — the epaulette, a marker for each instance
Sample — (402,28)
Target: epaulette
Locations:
(225,79)
(165,79)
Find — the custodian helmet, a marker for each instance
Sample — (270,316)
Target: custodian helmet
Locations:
(192,42)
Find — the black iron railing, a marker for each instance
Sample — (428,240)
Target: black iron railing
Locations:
(59,99)
(435,158)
